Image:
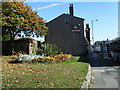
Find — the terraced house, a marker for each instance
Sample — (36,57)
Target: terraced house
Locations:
(70,33)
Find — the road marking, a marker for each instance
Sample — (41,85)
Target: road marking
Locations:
(99,70)
(111,69)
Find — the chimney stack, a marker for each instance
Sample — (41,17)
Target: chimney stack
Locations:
(71,9)
(88,33)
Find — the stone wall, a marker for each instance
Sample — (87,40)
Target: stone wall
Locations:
(25,46)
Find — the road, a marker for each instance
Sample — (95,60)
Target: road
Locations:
(106,72)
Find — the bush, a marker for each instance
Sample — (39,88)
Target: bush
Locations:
(47,50)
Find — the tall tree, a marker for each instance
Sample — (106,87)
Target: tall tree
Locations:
(18,17)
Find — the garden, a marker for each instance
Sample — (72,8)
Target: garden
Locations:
(58,71)
(47,67)
(43,75)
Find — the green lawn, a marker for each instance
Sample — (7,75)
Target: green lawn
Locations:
(43,75)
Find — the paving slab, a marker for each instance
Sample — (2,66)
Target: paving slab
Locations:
(111,83)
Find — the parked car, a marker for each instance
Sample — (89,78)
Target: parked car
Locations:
(97,49)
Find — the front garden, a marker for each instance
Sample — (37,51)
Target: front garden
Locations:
(68,74)
(47,67)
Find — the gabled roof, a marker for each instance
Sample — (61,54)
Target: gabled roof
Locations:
(66,15)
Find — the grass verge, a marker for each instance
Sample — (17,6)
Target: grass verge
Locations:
(43,75)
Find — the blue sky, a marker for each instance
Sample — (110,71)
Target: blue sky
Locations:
(105,12)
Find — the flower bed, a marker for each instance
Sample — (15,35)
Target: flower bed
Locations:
(43,59)
(14,56)
(62,57)
(57,58)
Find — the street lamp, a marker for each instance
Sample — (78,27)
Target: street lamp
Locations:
(92,30)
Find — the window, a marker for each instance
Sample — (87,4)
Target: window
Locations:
(66,20)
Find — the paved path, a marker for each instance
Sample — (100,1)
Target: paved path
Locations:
(106,72)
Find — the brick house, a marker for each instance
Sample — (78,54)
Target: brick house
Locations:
(69,33)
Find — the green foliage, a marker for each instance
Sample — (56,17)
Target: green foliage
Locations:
(18,17)
(5,36)
(47,50)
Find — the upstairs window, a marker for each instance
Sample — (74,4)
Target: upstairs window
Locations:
(66,20)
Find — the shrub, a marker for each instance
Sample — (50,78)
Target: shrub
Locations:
(47,50)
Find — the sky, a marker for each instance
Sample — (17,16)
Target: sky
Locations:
(105,12)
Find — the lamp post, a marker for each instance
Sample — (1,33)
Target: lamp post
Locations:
(92,30)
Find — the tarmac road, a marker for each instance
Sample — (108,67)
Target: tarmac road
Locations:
(106,72)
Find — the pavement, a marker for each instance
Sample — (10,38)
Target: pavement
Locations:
(106,72)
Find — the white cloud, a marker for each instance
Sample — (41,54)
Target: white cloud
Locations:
(48,6)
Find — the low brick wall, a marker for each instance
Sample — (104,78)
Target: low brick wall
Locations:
(26,46)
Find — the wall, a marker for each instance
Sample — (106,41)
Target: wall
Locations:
(60,34)
(26,46)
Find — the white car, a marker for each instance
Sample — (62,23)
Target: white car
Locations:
(97,49)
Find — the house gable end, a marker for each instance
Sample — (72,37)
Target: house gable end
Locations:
(65,15)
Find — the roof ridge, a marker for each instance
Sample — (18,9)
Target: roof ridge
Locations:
(65,14)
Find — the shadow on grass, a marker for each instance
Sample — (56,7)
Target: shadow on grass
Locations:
(14,62)
(83,59)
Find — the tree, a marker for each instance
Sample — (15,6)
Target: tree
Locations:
(18,17)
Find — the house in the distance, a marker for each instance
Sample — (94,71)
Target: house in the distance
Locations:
(69,33)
